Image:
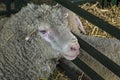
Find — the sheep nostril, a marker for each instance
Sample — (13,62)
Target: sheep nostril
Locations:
(74,48)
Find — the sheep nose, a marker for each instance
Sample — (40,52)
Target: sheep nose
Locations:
(75,47)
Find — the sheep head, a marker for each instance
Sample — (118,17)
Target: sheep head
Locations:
(53,28)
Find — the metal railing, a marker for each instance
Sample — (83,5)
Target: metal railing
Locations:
(87,47)
(20,3)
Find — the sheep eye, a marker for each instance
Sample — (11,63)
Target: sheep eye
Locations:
(43,31)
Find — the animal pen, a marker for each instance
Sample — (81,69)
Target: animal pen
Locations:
(88,48)
(104,25)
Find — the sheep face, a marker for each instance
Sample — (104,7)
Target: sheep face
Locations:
(53,27)
(60,38)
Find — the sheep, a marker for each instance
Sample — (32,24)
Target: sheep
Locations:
(32,41)
(109,47)
(111,51)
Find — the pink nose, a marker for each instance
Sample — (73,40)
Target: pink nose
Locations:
(75,47)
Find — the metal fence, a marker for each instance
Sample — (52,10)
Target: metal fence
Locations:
(88,48)
(18,4)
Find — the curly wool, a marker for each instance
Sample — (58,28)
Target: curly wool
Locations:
(32,59)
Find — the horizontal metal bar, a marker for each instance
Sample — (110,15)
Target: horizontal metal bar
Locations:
(91,18)
(82,1)
(99,56)
(92,74)
(114,2)
(76,0)
(72,72)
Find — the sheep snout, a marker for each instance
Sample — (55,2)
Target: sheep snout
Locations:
(72,50)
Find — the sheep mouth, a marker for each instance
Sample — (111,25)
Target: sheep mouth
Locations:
(70,57)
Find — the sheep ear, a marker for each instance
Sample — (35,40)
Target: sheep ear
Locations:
(80,25)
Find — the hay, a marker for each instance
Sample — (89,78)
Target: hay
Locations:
(58,75)
(2,7)
(111,15)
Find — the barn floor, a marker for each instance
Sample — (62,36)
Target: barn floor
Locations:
(110,14)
